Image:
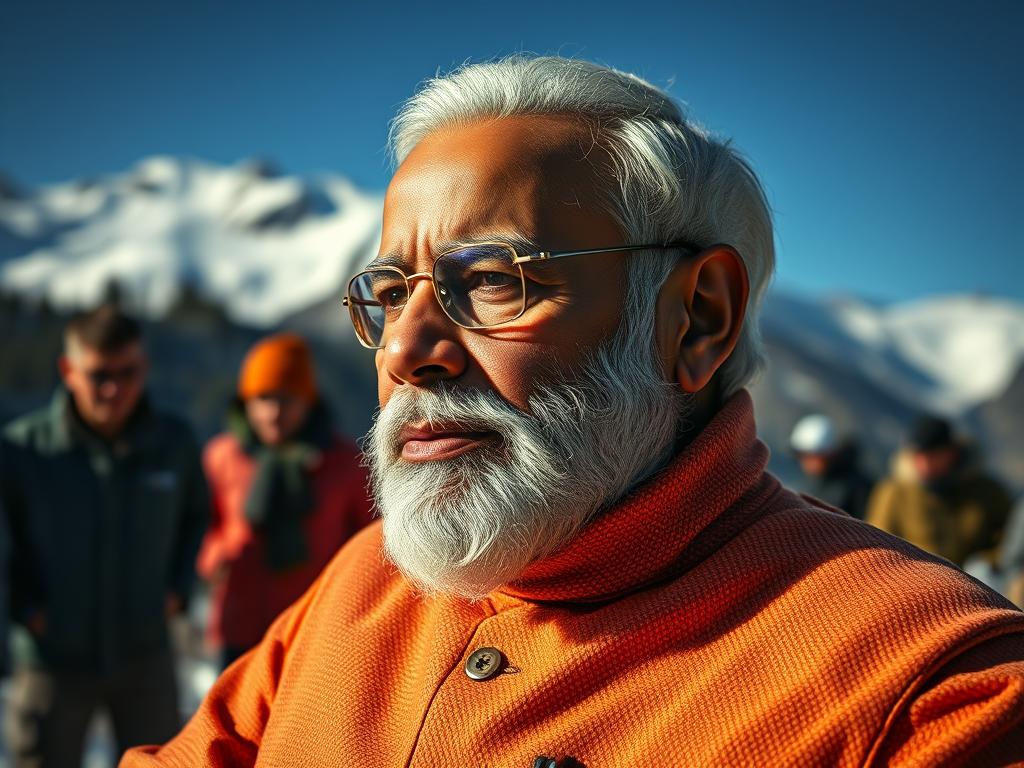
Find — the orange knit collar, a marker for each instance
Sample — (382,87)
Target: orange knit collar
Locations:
(712,490)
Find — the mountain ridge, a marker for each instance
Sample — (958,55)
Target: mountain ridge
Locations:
(273,251)
(261,244)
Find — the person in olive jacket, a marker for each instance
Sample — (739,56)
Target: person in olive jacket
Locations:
(940,498)
(104,504)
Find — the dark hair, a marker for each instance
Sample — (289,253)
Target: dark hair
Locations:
(105,328)
(929,433)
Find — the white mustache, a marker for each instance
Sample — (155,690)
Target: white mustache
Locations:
(465,409)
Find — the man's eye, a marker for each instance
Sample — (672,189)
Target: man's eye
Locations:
(391,297)
(492,280)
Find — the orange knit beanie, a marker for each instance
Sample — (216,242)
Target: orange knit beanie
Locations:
(280,363)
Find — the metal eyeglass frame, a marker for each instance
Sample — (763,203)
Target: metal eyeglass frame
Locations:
(350,302)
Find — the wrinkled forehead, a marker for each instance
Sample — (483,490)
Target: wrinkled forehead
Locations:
(537,177)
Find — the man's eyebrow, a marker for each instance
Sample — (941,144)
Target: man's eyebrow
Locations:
(521,244)
(393,259)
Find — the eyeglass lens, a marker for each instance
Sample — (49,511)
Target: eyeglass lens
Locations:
(477,286)
(100,376)
(373,295)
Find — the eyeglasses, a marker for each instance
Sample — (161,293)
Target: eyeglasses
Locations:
(100,376)
(477,286)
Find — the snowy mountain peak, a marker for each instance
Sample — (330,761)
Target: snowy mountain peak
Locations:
(261,244)
(945,353)
(265,246)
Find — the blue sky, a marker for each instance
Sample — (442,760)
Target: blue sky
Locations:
(887,134)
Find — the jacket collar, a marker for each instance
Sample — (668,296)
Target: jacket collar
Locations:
(713,489)
(57,416)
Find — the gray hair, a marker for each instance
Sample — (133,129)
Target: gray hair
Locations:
(674,181)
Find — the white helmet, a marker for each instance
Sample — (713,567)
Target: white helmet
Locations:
(814,434)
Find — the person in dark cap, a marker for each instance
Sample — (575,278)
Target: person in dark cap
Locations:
(939,497)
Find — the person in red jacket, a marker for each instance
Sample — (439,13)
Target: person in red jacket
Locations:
(287,493)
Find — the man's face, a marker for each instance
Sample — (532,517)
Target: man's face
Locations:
(105,386)
(527,177)
(815,464)
(276,417)
(494,446)
(936,463)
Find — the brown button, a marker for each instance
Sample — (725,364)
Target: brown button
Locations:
(484,663)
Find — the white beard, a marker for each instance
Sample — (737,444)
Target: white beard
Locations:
(472,523)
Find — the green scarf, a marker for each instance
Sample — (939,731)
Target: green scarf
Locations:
(281,494)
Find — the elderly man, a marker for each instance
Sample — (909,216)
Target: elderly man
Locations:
(105,504)
(581,559)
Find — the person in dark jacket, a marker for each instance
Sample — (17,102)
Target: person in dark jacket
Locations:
(105,504)
(831,464)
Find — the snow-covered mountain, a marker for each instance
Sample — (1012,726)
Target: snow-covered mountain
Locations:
(946,354)
(260,244)
(874,368)
(275,251)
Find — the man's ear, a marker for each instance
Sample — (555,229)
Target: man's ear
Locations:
(64,367)
(700,312)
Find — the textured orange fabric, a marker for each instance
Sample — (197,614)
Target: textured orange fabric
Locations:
(972,697)
(712,618)
(247,596)
(280,363)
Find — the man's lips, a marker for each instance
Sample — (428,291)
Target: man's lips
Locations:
(423,443)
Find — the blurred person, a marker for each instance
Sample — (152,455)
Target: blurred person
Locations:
(5,593)
(581,557)
(287,493)
(939,497)
(1011,561)
(106,504)
(831,464)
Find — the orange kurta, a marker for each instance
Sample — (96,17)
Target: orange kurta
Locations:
(713,618)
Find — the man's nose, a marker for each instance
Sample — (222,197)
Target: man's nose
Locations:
(422,346)
(108,389)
